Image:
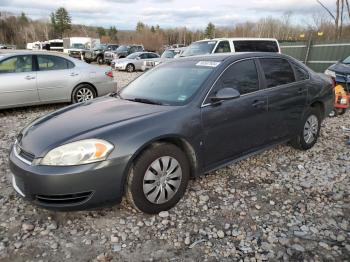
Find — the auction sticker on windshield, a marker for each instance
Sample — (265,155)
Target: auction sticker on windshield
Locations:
(208,63)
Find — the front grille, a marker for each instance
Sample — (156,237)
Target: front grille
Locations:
(63,200)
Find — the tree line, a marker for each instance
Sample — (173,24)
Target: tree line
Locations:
(19,29)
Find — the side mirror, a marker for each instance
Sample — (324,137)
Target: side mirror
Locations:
(138,58)
(225,94)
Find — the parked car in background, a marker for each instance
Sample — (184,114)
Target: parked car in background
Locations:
(232,45)
(340,72)
(2,46)
(30,78)
(122,52)
(132,62)
(77,51)
(167,55)
(182,119)
(97,54)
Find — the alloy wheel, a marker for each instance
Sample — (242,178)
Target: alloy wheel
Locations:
(162,180)
(84,94)
(310,129)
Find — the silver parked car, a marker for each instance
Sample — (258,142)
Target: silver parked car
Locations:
(167,55)
(29,78)
(133,62)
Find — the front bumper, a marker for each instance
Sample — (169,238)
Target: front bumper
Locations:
(119,66)
(70,188)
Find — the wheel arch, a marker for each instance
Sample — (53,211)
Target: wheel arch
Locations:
(320,105)
(176,140)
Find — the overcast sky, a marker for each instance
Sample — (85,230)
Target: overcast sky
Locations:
(167,13)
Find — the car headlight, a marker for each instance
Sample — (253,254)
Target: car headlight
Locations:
(330,73)
(78,153)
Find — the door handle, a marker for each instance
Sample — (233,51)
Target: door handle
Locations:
(30,77)
(259,103)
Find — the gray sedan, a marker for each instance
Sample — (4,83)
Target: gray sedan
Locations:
(133,62)
(29,78)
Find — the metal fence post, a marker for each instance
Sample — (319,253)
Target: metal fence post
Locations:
(309,44)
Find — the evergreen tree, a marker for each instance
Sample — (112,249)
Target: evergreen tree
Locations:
(61,21)
(210,30)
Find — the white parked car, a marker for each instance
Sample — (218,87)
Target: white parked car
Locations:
(167,55)
(29,78)
(132,62)
(232,45)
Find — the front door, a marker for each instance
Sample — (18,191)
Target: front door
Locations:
(234,127)
(18,81)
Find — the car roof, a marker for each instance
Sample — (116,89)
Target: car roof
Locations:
(239,39)
(9,53)
(230,56)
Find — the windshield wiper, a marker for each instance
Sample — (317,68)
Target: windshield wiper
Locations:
(145,101)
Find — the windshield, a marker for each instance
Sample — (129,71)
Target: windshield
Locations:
(133,56)
(122,48)
(168,54)
(100,47)
(200,48)
(346,60)
(78,46)
(169,84)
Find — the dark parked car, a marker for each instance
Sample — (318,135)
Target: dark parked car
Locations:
(97,54)
(182,119)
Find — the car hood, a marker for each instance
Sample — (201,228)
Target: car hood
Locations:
(77,121)
(340,68)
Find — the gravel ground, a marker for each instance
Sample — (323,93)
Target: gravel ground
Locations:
(283,204)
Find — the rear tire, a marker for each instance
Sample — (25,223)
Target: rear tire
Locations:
(82,93)
(158,179)
(309,131)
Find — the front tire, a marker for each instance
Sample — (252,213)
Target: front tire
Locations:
(82,93)
(100,60)
(310,130)
(158,179)
(130,68)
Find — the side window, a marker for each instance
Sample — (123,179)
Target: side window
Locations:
(242,76)
(152,56)
(300,73)
(277,71)
(17,64)
(144,56)
(48,63)
(223,47)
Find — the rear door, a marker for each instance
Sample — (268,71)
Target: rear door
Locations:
(236,126)
(18,81)
(56,78)
(287,96)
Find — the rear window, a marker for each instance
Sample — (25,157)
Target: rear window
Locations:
(277,71)
(256,46)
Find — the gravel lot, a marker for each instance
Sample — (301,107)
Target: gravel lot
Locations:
(283,204)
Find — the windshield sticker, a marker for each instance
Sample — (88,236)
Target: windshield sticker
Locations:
(208,63)
(182,98)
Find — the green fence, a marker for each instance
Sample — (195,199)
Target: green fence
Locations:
(317,55)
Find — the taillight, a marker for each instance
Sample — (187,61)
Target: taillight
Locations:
(109,73)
